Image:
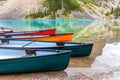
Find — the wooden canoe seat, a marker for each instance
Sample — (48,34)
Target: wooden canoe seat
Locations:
(30,53)
(60,43)
(8,36)
(4,41)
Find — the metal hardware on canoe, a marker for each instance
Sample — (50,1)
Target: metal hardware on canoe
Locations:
(5,30)
(57,50)
(4,41)
(60,43)
(30,53)
(8,36)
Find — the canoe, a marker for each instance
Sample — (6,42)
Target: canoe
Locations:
(5,30)
(78,49)
(40,32)
(54,37)
(23,60)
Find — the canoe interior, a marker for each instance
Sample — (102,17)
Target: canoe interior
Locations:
(14,53)
(78,49)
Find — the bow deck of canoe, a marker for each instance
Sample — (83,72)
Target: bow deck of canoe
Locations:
(14,60)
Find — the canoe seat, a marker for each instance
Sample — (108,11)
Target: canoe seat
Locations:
(8,36)
(60,43)
(4,41)
(30,53)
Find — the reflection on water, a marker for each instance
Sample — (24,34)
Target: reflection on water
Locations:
(64,25)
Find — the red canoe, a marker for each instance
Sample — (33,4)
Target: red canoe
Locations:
(40,32)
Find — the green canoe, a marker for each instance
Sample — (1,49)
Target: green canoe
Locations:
(32,60)
(78,49)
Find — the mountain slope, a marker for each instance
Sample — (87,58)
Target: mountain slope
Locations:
(59,9)
(86,9)
(18,9)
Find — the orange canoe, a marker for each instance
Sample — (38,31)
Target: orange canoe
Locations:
(55,37)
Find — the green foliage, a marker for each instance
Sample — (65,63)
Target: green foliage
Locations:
(36,15)
(54,5)
(90,1)
(87,1)
(52,16)
(107,14)
(112,10)
(117,12)
(69,5)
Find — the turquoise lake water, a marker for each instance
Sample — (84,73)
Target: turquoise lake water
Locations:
(60,25)
(80,28)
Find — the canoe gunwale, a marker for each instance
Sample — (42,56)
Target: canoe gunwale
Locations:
(27,32)
(35,31)
(34,48)
(38,35)
(31,31)
(84,43)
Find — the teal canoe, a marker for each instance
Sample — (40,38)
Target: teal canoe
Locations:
(78,49)
(32,60)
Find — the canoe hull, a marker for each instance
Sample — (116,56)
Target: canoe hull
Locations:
(46,63)
(42,32)
(57,38)
(77,51)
